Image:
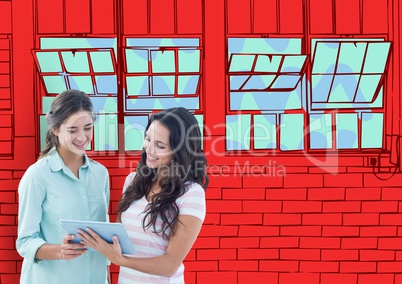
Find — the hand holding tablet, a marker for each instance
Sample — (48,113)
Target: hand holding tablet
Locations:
(104,229)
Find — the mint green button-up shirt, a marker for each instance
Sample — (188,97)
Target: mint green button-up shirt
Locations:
(48,192)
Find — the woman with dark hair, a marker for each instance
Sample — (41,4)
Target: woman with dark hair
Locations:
(163,205)
(63,184)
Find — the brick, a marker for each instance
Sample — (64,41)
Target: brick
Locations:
(390,219)
(212,219)
(216,277)
(331,278)
(303,180)
(258,253)
(301,206)
(262,206)
(224,206)
(325,170)
(191,256)
(319,266)
(341,206)
(255,277)
(238,265)
(389,267)
(344,254)
(297,170)
(203,242)
(344,180)
(202,266)
(189,277)
(6,231)
(8,267)
(340,231)
(391,193)
(6,174)
(390,243)
(213,193)
(286,194)
(241,219)
(357,267)
(18,174)
(9,278)
(299,254)
(315,242)
(363,193)
(359,243)
(8,197)
(379,206)
(398,255)
(371,180)
(279,242)
(361,219)
(223,231)
(117,182)
(6,242)
(292,278)
(8,220)
(282,219)
(252,231)
(376,278)
(378,231)
(311,231)
(240,242)
(9,254)
(279,266)
(216,254)
(262,181)
(227,180)
(322,219)
(376,255)
(336,193)
(244,194)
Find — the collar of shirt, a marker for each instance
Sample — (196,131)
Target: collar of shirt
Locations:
(56,162)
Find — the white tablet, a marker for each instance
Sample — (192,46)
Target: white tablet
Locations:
(104,229)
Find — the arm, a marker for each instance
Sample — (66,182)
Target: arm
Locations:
(187,230)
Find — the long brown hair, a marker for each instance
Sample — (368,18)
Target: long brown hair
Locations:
(188,165)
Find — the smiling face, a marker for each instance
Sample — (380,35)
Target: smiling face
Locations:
(75,133)
(157,146)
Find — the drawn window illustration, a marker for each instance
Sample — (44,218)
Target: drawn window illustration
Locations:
(157,74)
(276,103)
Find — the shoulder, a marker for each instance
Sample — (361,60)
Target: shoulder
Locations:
(194,191)
(128,180)
(97,166)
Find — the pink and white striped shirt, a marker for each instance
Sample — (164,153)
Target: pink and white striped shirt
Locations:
(149,244)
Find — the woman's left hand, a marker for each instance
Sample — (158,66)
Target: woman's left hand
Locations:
(93,240)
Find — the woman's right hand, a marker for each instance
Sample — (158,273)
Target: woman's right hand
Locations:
(70,250)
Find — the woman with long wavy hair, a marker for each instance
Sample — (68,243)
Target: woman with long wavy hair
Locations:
(163,204)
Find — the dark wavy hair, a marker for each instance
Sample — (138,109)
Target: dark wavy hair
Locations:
(63,106)
(188,165)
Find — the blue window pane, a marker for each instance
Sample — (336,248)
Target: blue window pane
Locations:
(137,61)
(267,63)
(101,61)
(259,82)
(163,61)
(367,88)
(106,84)
(43,130)
(238,132)
(237,81)
(137,86)
(104,104)
(351,57)
(82,83)
(46,104)
(324,59)
(264,45)
(163,85)
(346,131)
(285,82)
(293,63)
(291,132)
(321,85)
(344,88)
(376,58)
(265,131)
(241,62)
(187,84)
(192,103)
(105,133)
(49,62)
(189,60)
(134,128)
(372,130)
(54,84)
(320,131)
(75,61)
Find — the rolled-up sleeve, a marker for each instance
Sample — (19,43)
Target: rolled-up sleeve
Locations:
(31,196)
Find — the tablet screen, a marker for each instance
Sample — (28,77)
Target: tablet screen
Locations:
(104,229)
